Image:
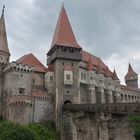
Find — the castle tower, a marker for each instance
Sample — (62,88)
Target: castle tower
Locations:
(64,55)
(131,78)
(4,56)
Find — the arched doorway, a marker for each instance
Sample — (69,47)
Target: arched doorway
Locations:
(67,102)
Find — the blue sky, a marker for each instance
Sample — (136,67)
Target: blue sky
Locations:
(109,29)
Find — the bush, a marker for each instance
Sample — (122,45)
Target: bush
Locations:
(43,131)
(36,131)
(11,131)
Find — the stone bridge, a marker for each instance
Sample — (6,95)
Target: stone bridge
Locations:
(108,121)
(112,108)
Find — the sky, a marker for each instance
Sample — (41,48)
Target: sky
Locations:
(109,29)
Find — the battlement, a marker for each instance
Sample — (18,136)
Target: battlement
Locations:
(13,66)
(20,100)
(41,95)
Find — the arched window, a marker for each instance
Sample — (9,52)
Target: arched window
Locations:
(125,97)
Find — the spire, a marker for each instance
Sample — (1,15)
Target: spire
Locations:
(64,35)
(90,65)
(115,77)
(3,36)
(3,10)
(130,72)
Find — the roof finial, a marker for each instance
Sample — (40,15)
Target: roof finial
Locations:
(63,5)
(3,10)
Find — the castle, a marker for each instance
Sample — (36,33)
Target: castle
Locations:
(31,92)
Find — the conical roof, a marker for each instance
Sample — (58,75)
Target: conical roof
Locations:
(115,77)
(30,59)
(130,72)
(3,36)
(64,35)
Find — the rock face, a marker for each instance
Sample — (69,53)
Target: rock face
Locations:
(89,126)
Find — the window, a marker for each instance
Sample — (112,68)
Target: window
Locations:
(21,90)
(33,81)
(91,78)
(68,77)
(51,78)
(84,76)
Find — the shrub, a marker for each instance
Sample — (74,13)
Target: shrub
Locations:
(136,125)
(12,131)
(36,131)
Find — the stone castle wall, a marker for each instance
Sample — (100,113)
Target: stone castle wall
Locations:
(90,126)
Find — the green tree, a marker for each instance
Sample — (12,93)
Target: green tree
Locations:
(11,131)
(135,120)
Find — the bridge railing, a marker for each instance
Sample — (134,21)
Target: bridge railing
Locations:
(113,108)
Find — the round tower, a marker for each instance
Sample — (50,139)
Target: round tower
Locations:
(131,78)
(4,57)
(4,50)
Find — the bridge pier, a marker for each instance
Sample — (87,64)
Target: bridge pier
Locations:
(91,94)
(84,124)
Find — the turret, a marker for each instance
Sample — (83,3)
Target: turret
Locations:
(64,44)
(115,77)
(131,78)
(4,57)
(4,50)
(64,55)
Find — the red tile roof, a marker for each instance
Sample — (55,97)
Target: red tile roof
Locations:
(3,36)
(108,73)
(130,72)
(130,88)
(95,60)
(64,35)
(90,65)
(30,59)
